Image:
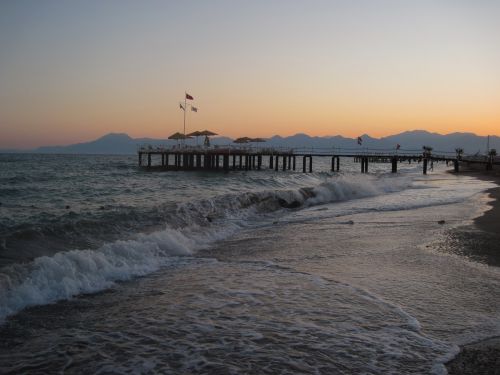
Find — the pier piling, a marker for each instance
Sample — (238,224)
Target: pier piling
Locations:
(219,159)
(394,165)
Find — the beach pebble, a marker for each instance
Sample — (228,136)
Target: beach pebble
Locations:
(441,222)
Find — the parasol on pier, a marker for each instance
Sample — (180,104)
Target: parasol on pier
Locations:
(179,136)
(195,134)
(207,133)
(242,140)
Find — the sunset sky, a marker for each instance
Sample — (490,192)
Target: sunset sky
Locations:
(71,71)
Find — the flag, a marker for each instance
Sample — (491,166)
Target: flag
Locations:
(189,97)
(181,106)
(194,109)
(360,141)
(398,146)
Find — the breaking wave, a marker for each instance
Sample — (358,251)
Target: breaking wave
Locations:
(187,228)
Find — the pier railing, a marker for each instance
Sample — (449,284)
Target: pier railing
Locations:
(316,151)
(250,157)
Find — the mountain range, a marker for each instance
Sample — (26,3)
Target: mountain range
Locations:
(120,143)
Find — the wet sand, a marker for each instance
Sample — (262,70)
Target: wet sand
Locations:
(483,357)
(490,221)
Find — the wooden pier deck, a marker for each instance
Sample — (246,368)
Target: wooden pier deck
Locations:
(279,159)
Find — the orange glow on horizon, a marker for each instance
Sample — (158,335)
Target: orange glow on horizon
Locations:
(335,68)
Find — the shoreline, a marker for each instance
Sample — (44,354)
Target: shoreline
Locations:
(481,357)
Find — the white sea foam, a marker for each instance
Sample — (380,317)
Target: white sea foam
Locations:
(66,274)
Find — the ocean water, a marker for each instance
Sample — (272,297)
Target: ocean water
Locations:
(106,268)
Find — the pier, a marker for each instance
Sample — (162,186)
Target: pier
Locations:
(230,158)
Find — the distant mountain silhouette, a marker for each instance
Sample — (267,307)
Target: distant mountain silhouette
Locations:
(121,143)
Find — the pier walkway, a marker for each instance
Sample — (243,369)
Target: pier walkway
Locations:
(227,158)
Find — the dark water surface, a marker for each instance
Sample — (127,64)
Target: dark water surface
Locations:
(218,276)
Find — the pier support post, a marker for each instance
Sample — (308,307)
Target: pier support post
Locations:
(226,163)
(394,165)
(333,163)
(310,163)
(364,164)
(489,163)
(456,165)
(284,162)
(140,159)
(289,162)
(271,166)
(259,162)
(303,164)
(234,162)
(277,162)
(149,160)
(240,166)
(338,163)
(294,162)
(425,166)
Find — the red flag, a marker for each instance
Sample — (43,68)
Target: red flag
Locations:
(189,97)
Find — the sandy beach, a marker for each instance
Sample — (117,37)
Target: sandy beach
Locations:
(483,357)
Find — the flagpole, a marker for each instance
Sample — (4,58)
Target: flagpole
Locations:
(185,102)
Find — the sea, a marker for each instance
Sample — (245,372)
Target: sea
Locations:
(106,268)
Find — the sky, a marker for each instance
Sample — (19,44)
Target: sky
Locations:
(72,71)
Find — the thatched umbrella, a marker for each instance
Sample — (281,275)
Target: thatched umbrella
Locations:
(242,140)
(179,136)
(207,133)
(195,134)
(257,140)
